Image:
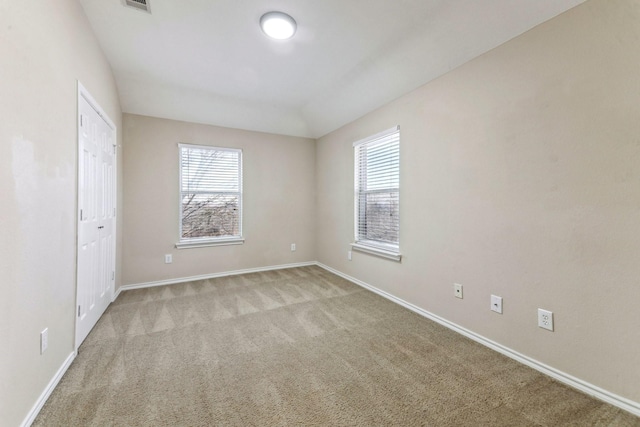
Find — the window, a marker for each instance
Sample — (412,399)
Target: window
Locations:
(377,194)
(210,196)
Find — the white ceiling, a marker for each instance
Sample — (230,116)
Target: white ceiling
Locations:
(207,61)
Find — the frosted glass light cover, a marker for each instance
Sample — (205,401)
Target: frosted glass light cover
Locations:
(278,25)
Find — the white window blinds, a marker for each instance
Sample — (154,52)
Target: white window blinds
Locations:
(377,191)
(210,193)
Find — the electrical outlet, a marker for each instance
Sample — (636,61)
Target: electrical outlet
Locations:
(168,259)
(44,340)
(496,304)
(457,290)
(293,247)
(545,319)
(349,255)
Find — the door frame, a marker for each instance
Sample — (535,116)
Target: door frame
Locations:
(84,93)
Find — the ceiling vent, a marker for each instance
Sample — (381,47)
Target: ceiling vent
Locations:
(138,4)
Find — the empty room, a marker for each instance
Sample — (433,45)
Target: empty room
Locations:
(335,212)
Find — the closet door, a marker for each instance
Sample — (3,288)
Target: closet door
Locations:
(96,217)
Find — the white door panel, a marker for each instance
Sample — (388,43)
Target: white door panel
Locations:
(96,218)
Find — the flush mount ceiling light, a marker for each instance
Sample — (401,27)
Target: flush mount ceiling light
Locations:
(278,25)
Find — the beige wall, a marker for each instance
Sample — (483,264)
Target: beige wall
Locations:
(520,175)
(278,202)
(45,47)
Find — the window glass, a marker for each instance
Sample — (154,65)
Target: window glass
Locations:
(377,188)
(210,193)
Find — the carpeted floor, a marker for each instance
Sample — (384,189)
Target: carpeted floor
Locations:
(297,347)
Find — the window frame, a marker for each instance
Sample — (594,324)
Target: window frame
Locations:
(198,242)
(374,247)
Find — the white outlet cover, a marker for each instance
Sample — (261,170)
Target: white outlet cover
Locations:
(545,319)
(168,259)
(44,340)
(349,255)
(293,247)
(496,304)
(457,290)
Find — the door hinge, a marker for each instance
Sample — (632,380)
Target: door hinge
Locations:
(78,311)
(113,275)
(81,117)
(80,214)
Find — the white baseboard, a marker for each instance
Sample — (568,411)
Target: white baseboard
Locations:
(208,276)
(35,410)
(590,389)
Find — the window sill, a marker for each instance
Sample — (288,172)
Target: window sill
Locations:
(188,244)
(372,250)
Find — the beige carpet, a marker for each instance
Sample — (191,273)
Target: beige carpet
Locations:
(297,347)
